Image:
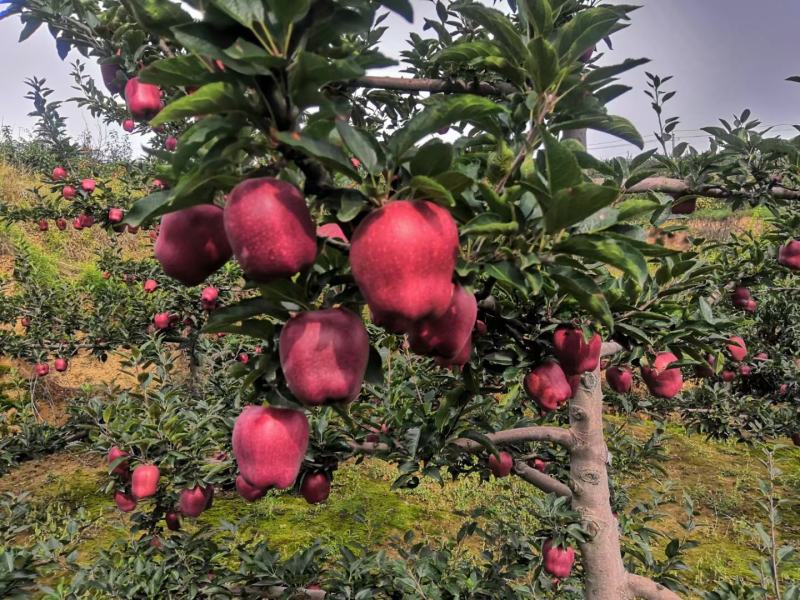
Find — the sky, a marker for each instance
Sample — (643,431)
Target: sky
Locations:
(725,56)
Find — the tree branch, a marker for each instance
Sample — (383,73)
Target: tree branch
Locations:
(610,348)
(668,185)
(538,479)
(434,86)
(642,587)
(556,435)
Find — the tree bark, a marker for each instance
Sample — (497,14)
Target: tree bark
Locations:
(549,485)
(433,86)
(641,587)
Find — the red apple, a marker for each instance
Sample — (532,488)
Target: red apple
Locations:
(750,306)
(88,185)
(61,223)
(459,360)
(685,207)
(243,358)
(501,467)
(270,229)
(728,376)
(132,230)
(69,192)
(144,481)
(42,369)
(61,364)
(173,520)
(540,465)
(548,386)
(332,231)
(761,356)
(745,370)
(480,328)
(740,295)
(43,225)
(150,286)
(324,355)
(25,321)
(171,143)
(575,354)
(789,255)
(122,469)
(558,561)
(574,384)
(129,125)
(316,487)
(737,348)
(112,74)
(783,389)
(125,502)
(247,491)
(191,244)
(144,99)
(115,215)
(59,173)
(796,438)
(269,445)
(194,501)
(445,336)
(355,162)
(620,379)
(660,379)
(162,320)
(403,257)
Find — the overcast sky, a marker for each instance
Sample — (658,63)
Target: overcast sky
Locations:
(725,55)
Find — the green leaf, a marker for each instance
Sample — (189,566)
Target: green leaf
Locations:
(616,253)
(539,14)
(245,12)
(157,16)
(179,70)
(455,181)
(310,72)
(634,207)
(212,98)
(499,25)
(286,11)
(585,291)
(443,111)
(401,7)
(464,53)
(246,309)
(351,203)
(489,223)
(145,208)
(574,204)
(250,59)
(507,272)
(326,153)
(586,29)
(374,374)
(610,124)
(563,169)
(363,145)
(430,189)
(543,65)
(433,158)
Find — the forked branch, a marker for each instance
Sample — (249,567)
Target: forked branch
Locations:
(547,484)
(647,589)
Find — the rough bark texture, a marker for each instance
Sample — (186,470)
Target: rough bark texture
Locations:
(606,578)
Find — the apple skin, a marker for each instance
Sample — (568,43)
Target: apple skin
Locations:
(501,467)
(662,381)
(332,231)
(162,321)
(88,185)
(247,491)
(129,125)
(750,306)
(685,207)
(316,488)
(270,229)
(69,192)
(445,336)
(745,370)
(59,173)
(61,223)
(558,562)
(540,465)
(620,379)
(194,501)
(269,444)
(43,226)
(115,215)
(789,255)
(459,360)
(728,376)
(403,256)
(191,244)
(761,356)
(42,369)
(122,469)
(324,355)
(144,481)
(171,143)
(150,286)
(740,295)
(548,386)
(143,99)
(125,502)
(737,348)
(575,354)
(61,364)
(173,520)
(796,438)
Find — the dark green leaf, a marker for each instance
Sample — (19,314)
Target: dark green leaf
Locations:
(433,158)
(324,152)
(585,291)
(611,251)
(574,204)
(212,98)
(363,145)
(430,189)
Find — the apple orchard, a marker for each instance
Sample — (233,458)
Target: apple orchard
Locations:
(427,270)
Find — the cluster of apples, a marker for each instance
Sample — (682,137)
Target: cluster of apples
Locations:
(789,255)
(42,369)
(742,298)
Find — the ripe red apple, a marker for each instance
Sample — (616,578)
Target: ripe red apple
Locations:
(42,369)
(558,561)
(750,306)
(162,320)
(501,467)
(575,354)
(132,230)
(144,99)
(173,520)
(25,321)
(685,207)
(144,481)
(796,438)
(122,469)
(243,358)
(355,162)
(480,328)
(270,229)
(445,336)
(171,143)
(540,465)
(61,364)
(269,444)
(728,376)
(125,502)
(129,125)
(77,223)
(587,55)
(191,244)
(620,379)
(660,379)
(316,487)
(59,173)
(332,231)
(61,223)
(324,355)
(194,501)
(157,183)
(150,286)
(737,348)
(403,257)
(115,215)
(43,225)
(783,389)
(459,360)
(86,220)
(740,295)
(789,255)
(249,492)
(88,185)
(745,370)
(208,298)
(548,386)
(761,356)
(69,192)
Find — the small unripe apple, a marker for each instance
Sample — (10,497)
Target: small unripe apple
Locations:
(269,444)
(122,469)
(247,491)
(269,228)
(620,379)
(403,256)
(42,369)
(162,320)
(789,255)
(61,364)
(88,185)
(61,223)
(737,348)
(173,520)
(194,501)
(115,215)
(125,502)
(316,488)
(129,125)
(143,99)
(501,467)
(150,286)
(171,144)
(43,226)
(69,192)
(445,336)
(144,481)
(660,379)
(324,355)
(575,354)
(59,173)
(548,386)
(558,561)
